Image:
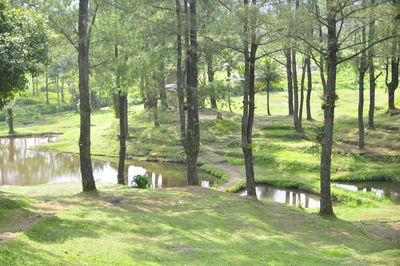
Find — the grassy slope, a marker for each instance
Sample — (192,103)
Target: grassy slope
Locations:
(279,152)
(182,226)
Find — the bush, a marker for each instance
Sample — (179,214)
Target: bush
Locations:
(141,181)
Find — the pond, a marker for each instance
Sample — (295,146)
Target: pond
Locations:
(385,189)
(20,165)
(289,196)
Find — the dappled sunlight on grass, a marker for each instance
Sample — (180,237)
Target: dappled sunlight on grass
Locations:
(187,225)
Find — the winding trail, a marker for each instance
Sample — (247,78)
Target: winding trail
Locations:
(232,171)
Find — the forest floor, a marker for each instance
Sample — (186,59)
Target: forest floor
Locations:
(58,225)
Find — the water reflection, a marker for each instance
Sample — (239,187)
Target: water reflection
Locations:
(164,175)
(20,166)
(23,166)
(384,189)
(290,197)
(205,184)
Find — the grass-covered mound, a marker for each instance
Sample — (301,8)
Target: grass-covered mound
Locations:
(188,226)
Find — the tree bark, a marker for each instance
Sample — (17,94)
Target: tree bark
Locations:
(228,80)
(161,82)
(122,138)
(268,102)
(302,87)
(193,127)
(179,74)
(372,84)
(47,86)
(297,123)
(88,182)
(62,91)
(210,74)
(361,142)
(394,83)
(122,112)
(10,121)
(362,69)
(288,55)
(329,113)
(309,90)
(250,49)
(33,84)
(57,78)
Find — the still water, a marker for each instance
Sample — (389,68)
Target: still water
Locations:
(289,196)
(384,189)
(20,165)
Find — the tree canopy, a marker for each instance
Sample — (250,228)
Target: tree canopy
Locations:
(23,44)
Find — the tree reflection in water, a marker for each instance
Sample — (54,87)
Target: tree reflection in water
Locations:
(20,164)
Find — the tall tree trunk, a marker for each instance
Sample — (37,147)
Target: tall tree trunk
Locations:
(372,79)
(322,59)
(329,113)
(210,74)
(122,137)
(297,124)
(155,113)
(126,116)
(288,55)
(362,69)
(179,74)
(57,78)
(309,90)
(47,86)
(193,127)
(361,142)
(268,102)
(250,50)
(33,84)
(122,112)
(10,121)
(228,80)
(62,91)
(302,87)
(88,182)
(161,82)
(394,83)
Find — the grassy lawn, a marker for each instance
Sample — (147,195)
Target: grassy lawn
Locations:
(119,225)
(193,226)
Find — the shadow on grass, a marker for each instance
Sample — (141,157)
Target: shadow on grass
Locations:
(198,225)
(26,254)
(56,230)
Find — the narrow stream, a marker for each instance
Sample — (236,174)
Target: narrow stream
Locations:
(384,189)
(289,196)
(21,166)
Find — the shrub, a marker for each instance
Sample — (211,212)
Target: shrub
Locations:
(141,181)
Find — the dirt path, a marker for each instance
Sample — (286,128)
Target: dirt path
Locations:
(46,209)
(232,171)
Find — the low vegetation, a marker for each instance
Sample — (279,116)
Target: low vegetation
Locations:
(120,225)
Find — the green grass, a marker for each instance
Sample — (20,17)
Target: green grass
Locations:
(191,226)
(222,177)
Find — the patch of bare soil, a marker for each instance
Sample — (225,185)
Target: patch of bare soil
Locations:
(46,208)
(207,114)
(183,249)
(388,229)
(22,225)
(232,171)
